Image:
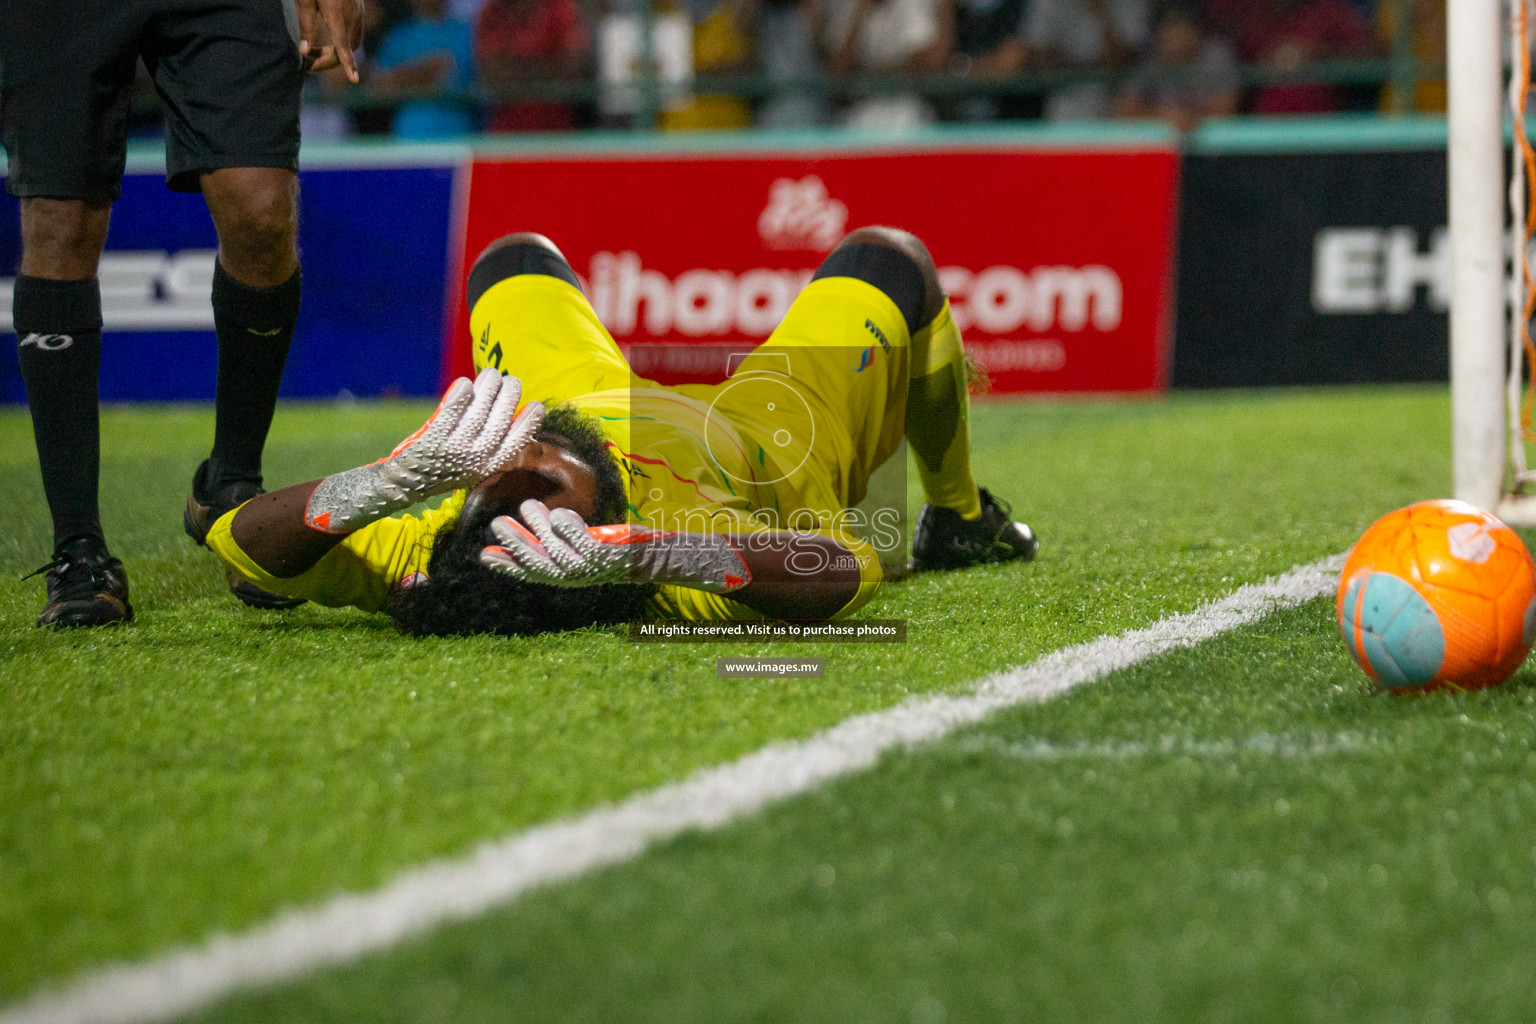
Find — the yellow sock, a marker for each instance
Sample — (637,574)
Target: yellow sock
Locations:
(938,416)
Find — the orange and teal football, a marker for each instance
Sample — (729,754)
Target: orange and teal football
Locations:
(1438,594)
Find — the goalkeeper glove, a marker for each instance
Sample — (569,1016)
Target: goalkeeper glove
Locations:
(559,549)
(471,435)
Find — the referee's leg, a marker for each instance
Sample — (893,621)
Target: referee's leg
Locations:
(65,72)
(57,316)
(57,313)
(256,291)
(230,76)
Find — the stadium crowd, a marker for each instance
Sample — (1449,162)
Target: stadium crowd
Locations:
(442,68)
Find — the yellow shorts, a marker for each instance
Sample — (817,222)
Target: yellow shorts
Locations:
(828,389)
(824,397)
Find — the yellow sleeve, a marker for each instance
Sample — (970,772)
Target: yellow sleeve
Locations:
(359,572)
(673,602)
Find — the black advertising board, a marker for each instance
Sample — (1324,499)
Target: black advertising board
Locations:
(1312,268)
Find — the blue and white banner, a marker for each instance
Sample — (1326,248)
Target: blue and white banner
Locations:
(1304,268)
(375,245)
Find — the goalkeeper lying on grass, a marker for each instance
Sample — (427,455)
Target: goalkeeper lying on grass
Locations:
(632,500)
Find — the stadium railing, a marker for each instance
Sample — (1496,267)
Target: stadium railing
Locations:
(1399,72)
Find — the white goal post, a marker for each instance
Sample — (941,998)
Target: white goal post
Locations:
(1479,342)
(1488,322)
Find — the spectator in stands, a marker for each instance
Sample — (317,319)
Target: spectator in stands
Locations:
(990,46)
(1427,46)
(874,37)
(521,41)
(1105,34)
(787,31)
(427,54)
(467,11)
(620,59)
(379,16)
(1188,76)
(323,115)
(1288,34)
(722,45)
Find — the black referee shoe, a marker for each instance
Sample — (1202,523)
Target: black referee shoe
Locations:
(200,515)
(86,586)
(945,540)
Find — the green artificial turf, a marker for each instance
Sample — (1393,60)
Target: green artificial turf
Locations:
(1239,832)
(210,765)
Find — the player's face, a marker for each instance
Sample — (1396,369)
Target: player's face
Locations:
(550,474)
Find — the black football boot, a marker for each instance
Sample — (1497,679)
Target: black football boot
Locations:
(200,515)
(87,586)
(944,540)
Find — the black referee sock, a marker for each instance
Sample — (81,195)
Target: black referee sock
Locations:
(255,328)
(58,331)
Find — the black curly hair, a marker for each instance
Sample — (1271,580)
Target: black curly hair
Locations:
(461,597)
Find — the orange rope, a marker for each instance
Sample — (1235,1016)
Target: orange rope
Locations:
(1522,71)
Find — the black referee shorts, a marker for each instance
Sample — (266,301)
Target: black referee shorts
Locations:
(228,71)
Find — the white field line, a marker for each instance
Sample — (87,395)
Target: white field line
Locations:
(1294,746)
(348,927)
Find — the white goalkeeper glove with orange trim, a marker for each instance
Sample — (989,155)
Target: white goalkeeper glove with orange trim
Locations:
(475,432)
(559,549)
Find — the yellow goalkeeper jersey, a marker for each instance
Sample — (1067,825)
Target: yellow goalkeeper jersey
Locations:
(788,442)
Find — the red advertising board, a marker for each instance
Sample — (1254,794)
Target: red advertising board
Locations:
(1057,262)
